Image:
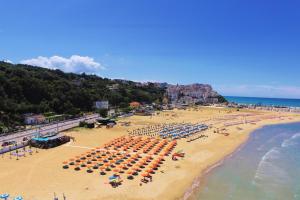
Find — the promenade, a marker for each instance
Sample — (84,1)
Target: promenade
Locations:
(53,127)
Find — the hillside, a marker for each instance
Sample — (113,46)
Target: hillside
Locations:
(28,89)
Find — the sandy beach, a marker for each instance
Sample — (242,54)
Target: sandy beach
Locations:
(40,175)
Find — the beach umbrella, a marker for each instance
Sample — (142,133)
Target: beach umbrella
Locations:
(102,170)
(89,169)
(116,170)
(144,175)
(77,168)
(18,198)
(129,172)
(111,178)
(4,196)
(65,165)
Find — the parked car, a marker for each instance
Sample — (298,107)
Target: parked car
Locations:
(5,144)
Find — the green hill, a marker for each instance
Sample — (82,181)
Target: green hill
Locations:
(29,89)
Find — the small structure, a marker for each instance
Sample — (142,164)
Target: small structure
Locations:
(113,87)
(134,104)
(49,141)
(31,119)
(101,104)
(111,112)
(144,112)
(105,122)
(54,118)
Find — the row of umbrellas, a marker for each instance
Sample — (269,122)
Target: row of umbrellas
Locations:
(183,130)
(137,144)
(172,130)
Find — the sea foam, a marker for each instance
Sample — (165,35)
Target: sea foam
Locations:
(291,141)
(268,171)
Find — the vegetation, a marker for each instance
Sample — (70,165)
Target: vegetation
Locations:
(28,89)
(222,99)
(102,112)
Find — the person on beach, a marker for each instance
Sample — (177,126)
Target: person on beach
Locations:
(55,197)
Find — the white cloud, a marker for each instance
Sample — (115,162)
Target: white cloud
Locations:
(8,61)
(273,91)
(76,63)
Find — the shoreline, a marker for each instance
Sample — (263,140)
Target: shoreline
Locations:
(198,182)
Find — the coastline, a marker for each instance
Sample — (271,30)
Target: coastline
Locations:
(198,182)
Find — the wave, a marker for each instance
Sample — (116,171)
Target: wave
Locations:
(297,135)
(267,170)
(291,141)
(270,141)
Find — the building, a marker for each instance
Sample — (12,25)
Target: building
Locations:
(101,104)
(134,104)
(31,119)
(192,94)
(113,87)
(111,112)
(50,141)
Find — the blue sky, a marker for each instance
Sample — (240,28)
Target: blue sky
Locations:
(246,48)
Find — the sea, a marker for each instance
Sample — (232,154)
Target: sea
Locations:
(264,101)
(266,167)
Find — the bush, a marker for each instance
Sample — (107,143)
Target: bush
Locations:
(82,124)
(103,112)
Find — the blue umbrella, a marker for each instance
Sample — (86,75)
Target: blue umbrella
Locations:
(4,196)
(18,198)
(112,178)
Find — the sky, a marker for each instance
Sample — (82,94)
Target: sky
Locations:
(241,48)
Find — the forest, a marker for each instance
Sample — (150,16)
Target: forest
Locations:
(31,89)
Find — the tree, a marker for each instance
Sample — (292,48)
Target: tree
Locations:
(103,112)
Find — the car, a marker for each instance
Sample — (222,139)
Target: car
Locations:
(5,144)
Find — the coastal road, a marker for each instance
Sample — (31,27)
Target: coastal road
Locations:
(54,127)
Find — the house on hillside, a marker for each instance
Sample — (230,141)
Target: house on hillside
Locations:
(102,104)
(113,87)
(32,119)
(135,104)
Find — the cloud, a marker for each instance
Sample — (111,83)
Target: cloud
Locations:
(76,63)
(272,91)
(8,61)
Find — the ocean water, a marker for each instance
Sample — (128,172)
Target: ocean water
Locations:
(267,167)
(265,101)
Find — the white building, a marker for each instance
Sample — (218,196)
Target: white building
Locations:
(101,104)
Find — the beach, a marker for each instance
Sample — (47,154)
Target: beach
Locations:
(40,175)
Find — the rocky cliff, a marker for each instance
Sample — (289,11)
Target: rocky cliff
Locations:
(193,94)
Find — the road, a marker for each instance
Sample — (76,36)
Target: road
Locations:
(47,128)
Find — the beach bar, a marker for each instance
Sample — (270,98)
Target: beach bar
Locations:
(49,142)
